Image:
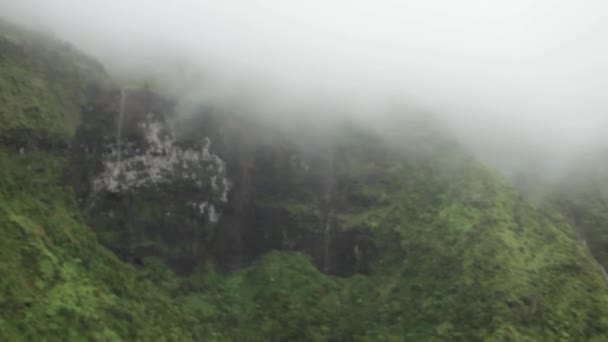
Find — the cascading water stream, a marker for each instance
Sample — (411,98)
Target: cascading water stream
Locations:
(584,242)
(328,199)
(581,238)
(121,116)
(116,171)
(327,240)
(604,272)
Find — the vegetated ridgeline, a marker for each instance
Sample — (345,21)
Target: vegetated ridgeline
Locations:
(368,243)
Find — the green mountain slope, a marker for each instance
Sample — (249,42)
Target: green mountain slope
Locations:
(425,244)
(57,282)
(42,85)
(584,200)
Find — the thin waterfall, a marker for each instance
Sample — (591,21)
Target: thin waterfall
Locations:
(581,238)
(121,116)
(120,123)
(327,240)
(584,243)
(604,272)
(329,211)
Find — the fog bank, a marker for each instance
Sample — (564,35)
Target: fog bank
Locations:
(521,82)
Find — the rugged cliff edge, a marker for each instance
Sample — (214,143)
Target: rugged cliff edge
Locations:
(121,221)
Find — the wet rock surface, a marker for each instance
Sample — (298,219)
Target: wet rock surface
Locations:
(213,187)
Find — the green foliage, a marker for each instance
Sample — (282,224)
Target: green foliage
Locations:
(42,86)
(585,201)
(465,257)
(460,255)
(58,282)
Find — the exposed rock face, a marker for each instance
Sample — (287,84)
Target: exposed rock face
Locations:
(148,193)
(162,162)
(216,189)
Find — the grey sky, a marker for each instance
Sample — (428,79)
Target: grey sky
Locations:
(508,76)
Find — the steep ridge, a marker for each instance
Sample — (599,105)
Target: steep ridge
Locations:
(58,283)
(215,227)
(584,200)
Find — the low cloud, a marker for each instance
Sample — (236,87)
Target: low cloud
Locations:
(521,82)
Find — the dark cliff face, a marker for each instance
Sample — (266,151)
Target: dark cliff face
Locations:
(212,187)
